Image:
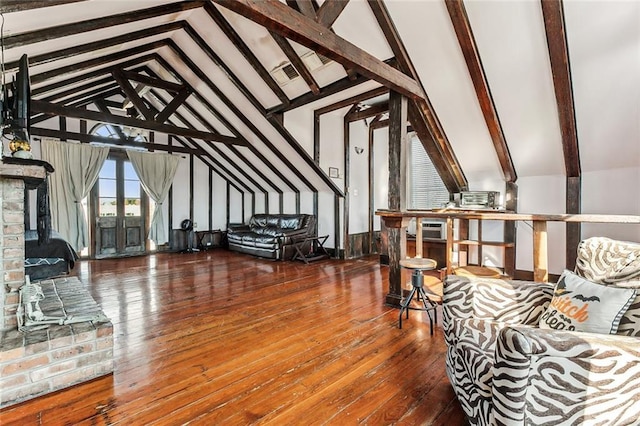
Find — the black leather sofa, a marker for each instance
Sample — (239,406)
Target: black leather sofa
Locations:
(272,235)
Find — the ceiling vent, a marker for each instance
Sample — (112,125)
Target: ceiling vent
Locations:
(314,60)
(284,73)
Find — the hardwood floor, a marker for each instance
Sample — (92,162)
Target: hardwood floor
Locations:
(221,338)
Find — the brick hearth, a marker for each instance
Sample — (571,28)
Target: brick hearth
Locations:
(47,358)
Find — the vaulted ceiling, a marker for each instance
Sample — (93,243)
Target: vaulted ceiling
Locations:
(497,89)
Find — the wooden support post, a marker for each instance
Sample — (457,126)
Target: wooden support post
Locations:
(397,232)
(540,266)
(510,204)
(573,230)
(397,235)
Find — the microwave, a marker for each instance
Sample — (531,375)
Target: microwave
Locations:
(479,199)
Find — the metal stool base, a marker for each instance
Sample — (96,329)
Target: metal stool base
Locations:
(428,305)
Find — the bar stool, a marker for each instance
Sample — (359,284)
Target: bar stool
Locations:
(418,265)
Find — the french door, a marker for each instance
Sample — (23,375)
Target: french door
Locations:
(119,207)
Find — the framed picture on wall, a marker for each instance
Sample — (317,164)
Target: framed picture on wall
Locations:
(333,172)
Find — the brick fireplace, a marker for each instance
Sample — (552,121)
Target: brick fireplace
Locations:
(49,357)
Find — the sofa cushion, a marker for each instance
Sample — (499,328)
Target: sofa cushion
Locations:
(265,241)
(580,305)
(237,237)
(291,222)
(258,221)
(268,230)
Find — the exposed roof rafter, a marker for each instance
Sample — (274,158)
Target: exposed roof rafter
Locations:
(296,61)
(329,11)
(429,130)
(65,111)
(462,27)
(279,18)
(94,24)
(559,56)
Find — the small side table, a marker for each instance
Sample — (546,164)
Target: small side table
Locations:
(418,265)
(318,252)
(210,239)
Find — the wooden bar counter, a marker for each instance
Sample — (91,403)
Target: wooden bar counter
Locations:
(400,219)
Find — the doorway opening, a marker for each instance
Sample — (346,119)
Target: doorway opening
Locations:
(118,207)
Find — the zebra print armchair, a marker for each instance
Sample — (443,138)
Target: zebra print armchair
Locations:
(507,371)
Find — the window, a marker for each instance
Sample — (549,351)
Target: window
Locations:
(426,190)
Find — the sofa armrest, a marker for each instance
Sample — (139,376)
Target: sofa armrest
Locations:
(546,376)
(507,301)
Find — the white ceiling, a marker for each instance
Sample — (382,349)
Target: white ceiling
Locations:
(604,51)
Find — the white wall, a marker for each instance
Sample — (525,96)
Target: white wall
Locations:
(358,192)
(380,172)
(612,192)
(200,195)
(542,195)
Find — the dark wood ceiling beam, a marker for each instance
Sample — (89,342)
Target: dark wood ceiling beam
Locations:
(9,6)
(423,111)
(555,29)
(369,94)
(296,61)
(239,114)
(329,11)
(97,45)
(85,138)
(329,22)
(35,91)
(216,166)
(306,8)
(81,99)
(154,81)
(203,155)
(93,85)
(103,108)
(279,18)
(462,27)
(246,52)
(213,56)
(212,110)
(95,62)
(132,94)
(368,112)
(51,108)
(224,156)
(433,150)
(307,98)
(379,124)
(64,30)
(554,26)
(172,106)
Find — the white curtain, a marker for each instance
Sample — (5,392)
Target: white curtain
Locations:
(77,167)
(156,172)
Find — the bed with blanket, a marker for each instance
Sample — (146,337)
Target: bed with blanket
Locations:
(47,260)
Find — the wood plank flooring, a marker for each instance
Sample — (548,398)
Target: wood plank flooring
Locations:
(223,338)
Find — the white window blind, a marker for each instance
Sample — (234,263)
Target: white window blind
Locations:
(426,190)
